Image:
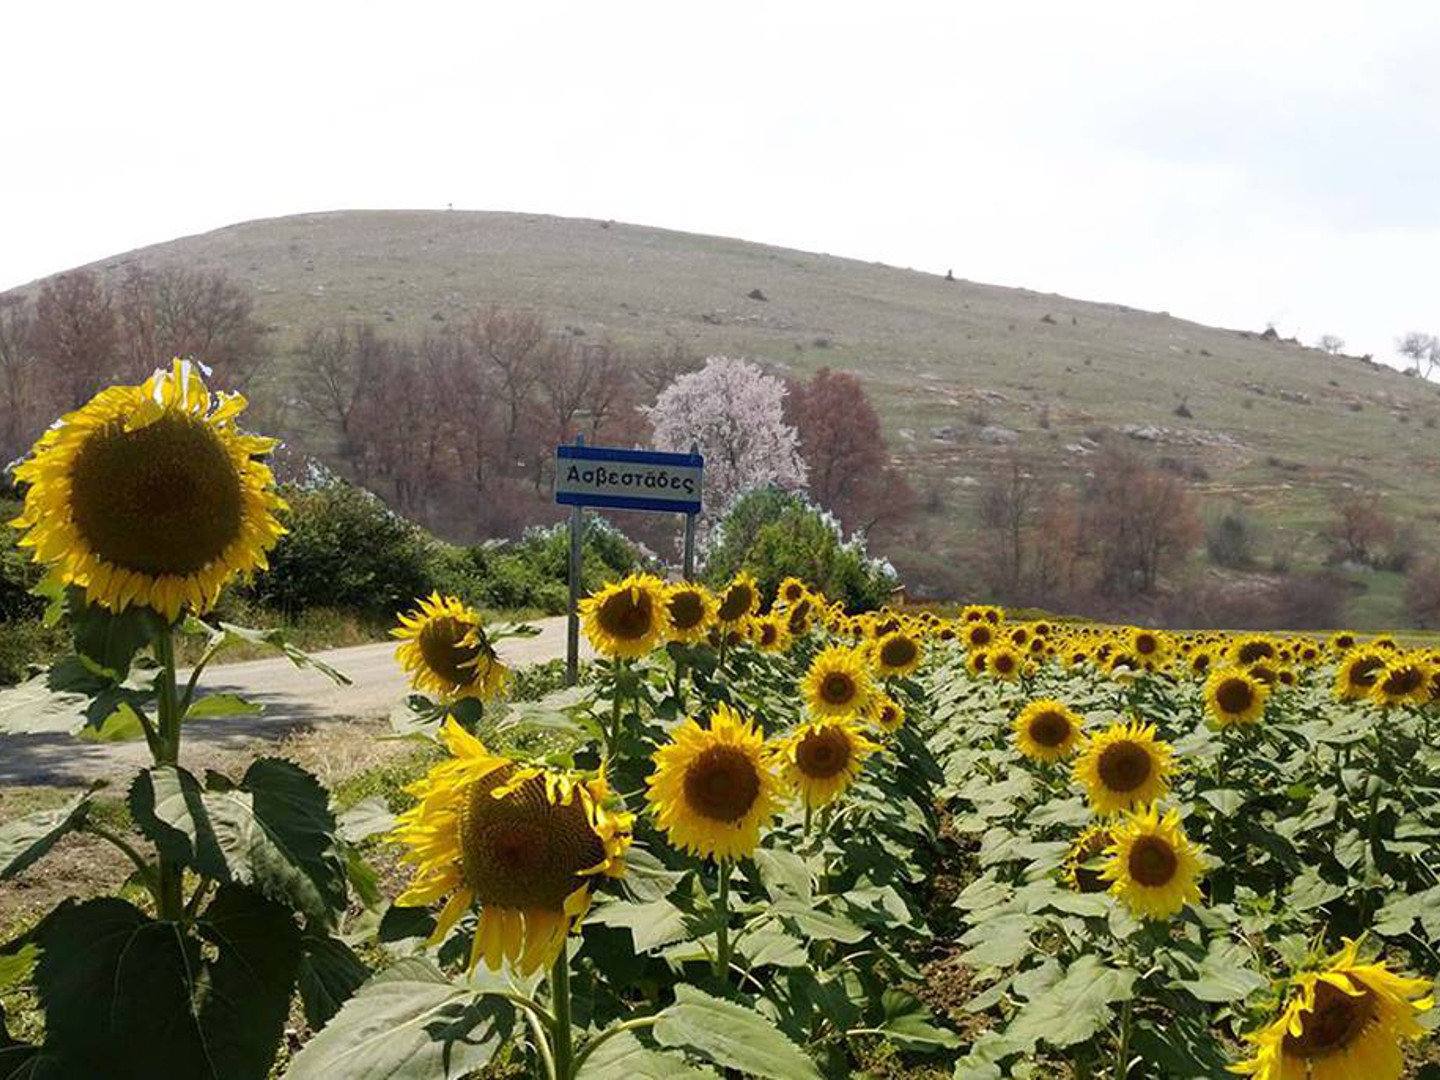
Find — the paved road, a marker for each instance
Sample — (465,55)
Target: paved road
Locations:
(295,699)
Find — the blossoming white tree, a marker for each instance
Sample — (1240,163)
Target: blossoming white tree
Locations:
(734,411)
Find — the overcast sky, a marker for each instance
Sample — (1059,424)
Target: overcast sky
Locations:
(1236,164)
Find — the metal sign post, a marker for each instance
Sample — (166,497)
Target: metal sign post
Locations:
(621,480)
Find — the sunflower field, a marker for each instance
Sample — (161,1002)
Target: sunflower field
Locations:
(765,837)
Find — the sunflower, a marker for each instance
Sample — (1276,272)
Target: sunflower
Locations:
(1200,662)
(689,611)
(822,758)
(1154,868)
(1124,766)
(797,618)
(1357,671)
(792,590)
(978,635)
(1405,680)
(1004,663)
(978,662)
(444,650)
(886,713)
(897,654)
(771,633)
(150,495)
(838,682)
(526,843)
(1345,1022)
(713,788)
(1047,730)
(1252,648)
(1235,696)
(739,600)
(1341,642)
(627,619)
(1080,875)
(1150,646)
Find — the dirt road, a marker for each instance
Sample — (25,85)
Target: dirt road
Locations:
(295,699)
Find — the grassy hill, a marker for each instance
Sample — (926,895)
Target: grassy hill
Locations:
(957,368)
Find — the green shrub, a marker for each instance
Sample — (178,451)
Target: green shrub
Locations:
(18,573)
(775,534)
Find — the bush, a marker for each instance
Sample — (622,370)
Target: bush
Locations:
(18,573)
(775,534)
(1230,540)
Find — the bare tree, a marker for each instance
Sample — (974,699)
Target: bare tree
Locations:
(1330,343)
(74,335)
(511,342)
(341,369)
(1422,350)
(175,312)
(19,384)
(1009,507)
(1138,519)
(661,365)
(1359,528)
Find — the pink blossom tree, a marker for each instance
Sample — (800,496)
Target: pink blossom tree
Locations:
(735,412)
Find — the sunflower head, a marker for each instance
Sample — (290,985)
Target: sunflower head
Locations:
(886,713)
(821,759)
(1047,730)
(1348,1019)
(771,633)
(738,600)
(897,653)
(444,650)
(1080,873)
(1357,672)
(689,612)
(1154,869)
(1341,642)
(1004,663)
(627,619)
(978,635)
(792,590)
(150,495)
(1251,649)
(1123,767)
(525,843)
(1404,680)
(837,684)
(1235,696)
(713,788)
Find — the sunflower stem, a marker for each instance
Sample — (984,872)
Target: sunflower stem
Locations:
(565,1064)
(1122,1056)
(722,930)
(170,894)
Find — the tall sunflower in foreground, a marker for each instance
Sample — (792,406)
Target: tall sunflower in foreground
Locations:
(837,684)
(1154,868)
(1124,766)
(822,759)
(151,496)
(714,787)
(527,844)
(627,619)
(444,650)
(689,612)
(1235,696)
(1047,730)
(1345,1022)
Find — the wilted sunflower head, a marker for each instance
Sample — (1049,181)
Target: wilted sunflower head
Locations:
(738,600)
(1154,869)
(525,843)
(837,684)
(1235,696)
(1349,1019)
(1080,873)
(1123,767)
(627,619)
(689,612)
(444,650)
(1357,671)
(714,788)
(150,495)
(821,759)
(897,654)
(1405,680)
(1047,730)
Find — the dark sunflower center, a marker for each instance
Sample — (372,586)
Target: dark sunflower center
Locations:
(1152,862)
(1234,696)
(768,634)
(793,592)
(823,754)
(164,499)
(439,643)
(979,635)
(1124,766)
(522,851)
(837,688)
(1050,728)
(627,614)
(888,715)
(1252,651)
(1336,1021)
(1145,644)
(1406,680)
(1363,672)
(1088,880)
(736,602)
(1004,663)
(686,610)
(1201,663)
(798,620)
(898,652)
(722,784)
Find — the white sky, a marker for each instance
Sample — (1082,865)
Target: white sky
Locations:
(1233,163)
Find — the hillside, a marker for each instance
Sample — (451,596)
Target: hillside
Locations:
(958,369)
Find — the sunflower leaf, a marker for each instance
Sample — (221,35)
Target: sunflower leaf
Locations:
(732,1036)
(26,840)
(624,1057)
(1075,1007)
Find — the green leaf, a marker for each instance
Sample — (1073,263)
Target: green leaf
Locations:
(624,1057)
(784,873)
(274,831)
(274,639)
(652,925)
(16,967)
(1074,1008)
(28,839)
(1224,976)
(816,923)
(732,1036)
(367,818)
(409,1022)
(110,641)
(1310,890)
(1225,800)
(330,974)
(215,705)
(999,941)
(908,1022)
